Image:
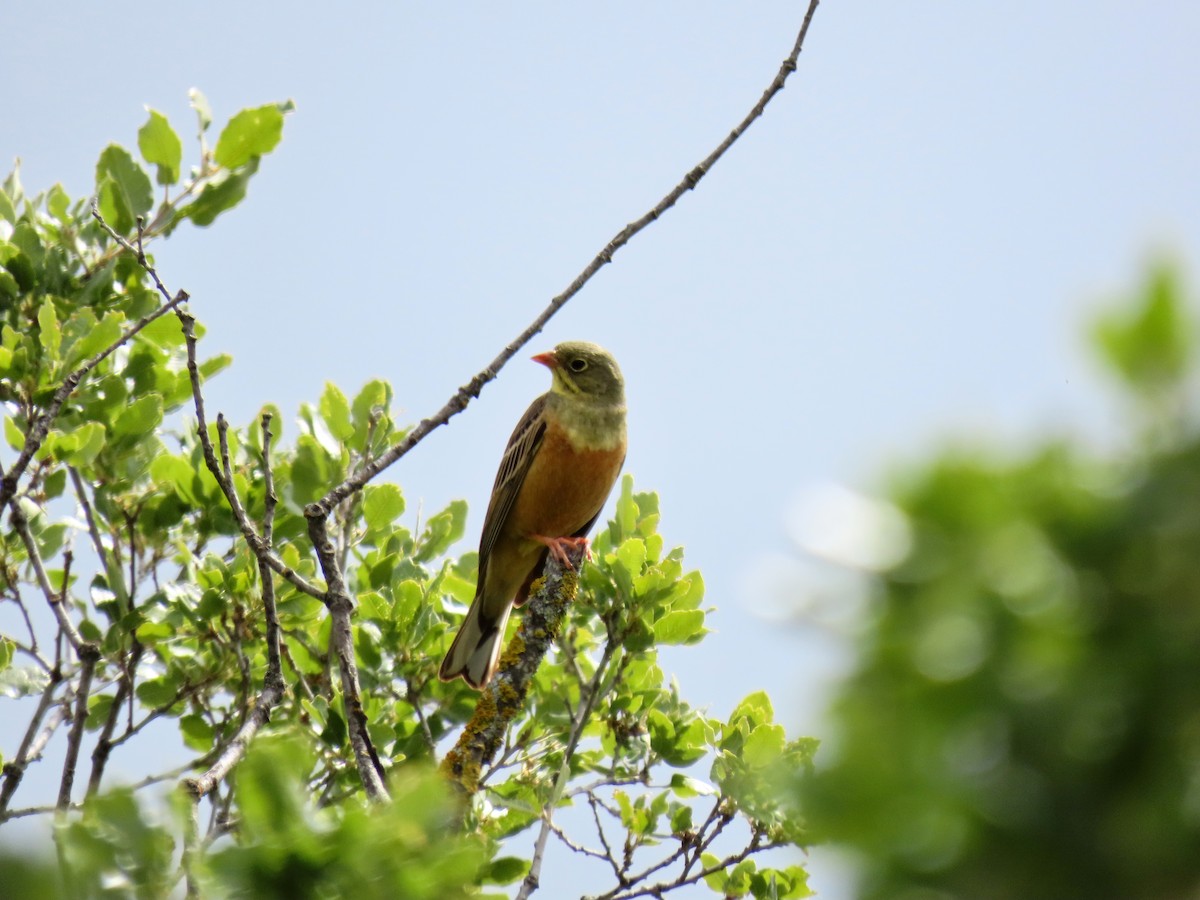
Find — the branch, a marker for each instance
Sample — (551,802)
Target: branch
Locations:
(90,655)
(32,743)
(260,547)
(530,884)
(273,684)
(463,396)
(341,639)
(504,697)
(56,600)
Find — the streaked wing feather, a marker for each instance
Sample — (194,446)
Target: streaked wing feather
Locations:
(522,446)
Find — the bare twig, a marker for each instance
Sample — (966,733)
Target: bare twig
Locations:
(658,889)
(274,663)
(105,743)
(90,655)
(56,600)
(32,649)
(115,576)
(463,396)
(273,684)
(340,605)
(260,547)
(530,884)
(32,743)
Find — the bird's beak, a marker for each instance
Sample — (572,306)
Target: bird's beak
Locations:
(547,359)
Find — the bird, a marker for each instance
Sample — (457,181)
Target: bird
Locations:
(557,471)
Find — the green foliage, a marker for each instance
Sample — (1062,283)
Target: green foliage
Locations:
(409,848)
(1023,719)
(162,584)
(1151,343)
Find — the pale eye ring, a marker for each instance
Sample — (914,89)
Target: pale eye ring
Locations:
(578,365)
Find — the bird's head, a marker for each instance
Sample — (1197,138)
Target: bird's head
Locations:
(584,371)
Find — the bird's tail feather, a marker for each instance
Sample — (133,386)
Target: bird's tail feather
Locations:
(475,652)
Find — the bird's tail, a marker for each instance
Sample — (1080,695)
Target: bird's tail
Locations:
(475,652)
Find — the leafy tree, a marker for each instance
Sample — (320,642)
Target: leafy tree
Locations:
(266,599)
(1024,720)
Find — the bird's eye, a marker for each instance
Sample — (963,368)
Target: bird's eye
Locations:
(578,365)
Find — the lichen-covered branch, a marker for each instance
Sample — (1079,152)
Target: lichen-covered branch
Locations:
(504,697)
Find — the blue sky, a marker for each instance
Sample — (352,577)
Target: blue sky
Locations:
(905,249)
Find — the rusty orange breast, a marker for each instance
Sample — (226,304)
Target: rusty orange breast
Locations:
(565,487)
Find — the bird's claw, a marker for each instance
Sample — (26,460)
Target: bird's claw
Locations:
(558,545)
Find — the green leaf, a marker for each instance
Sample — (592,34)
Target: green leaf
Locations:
(50,335)
(13,434)
(372,605)
(106,332)
(157,692)
(7,648)
(505,870)
(153,632)
(764,746)
(374,396)
(686,786)
(7,211)
(123,188)
(199,103)
(140,417)
(58,203)
(443,530)
(219,195)
(335,411)
(1152,343)
(627,510)
(249,134)
(9,289)
(214,365)
(99,706)
(680,626)
(197,733)
(631,555)
(89,440)
(382,504)
(160,146)
(310,470)
(755,708)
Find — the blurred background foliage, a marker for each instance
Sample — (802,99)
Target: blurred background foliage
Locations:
(1023,718)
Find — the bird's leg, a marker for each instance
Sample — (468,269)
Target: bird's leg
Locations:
(557,547)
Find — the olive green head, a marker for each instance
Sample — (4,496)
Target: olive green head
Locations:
(585,371)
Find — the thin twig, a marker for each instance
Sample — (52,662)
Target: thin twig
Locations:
(115,576)
(90,655)
(463,396)
(273,684)
(32,743)
(530,884)
(274,662)
(53,598)
(341,638)
(258,545)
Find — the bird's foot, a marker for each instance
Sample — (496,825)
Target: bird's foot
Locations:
(558,547)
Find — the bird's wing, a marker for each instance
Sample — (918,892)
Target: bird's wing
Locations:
(522,447)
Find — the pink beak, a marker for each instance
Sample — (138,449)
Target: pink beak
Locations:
(547,359)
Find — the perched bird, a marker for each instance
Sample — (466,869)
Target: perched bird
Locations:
(558,469)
